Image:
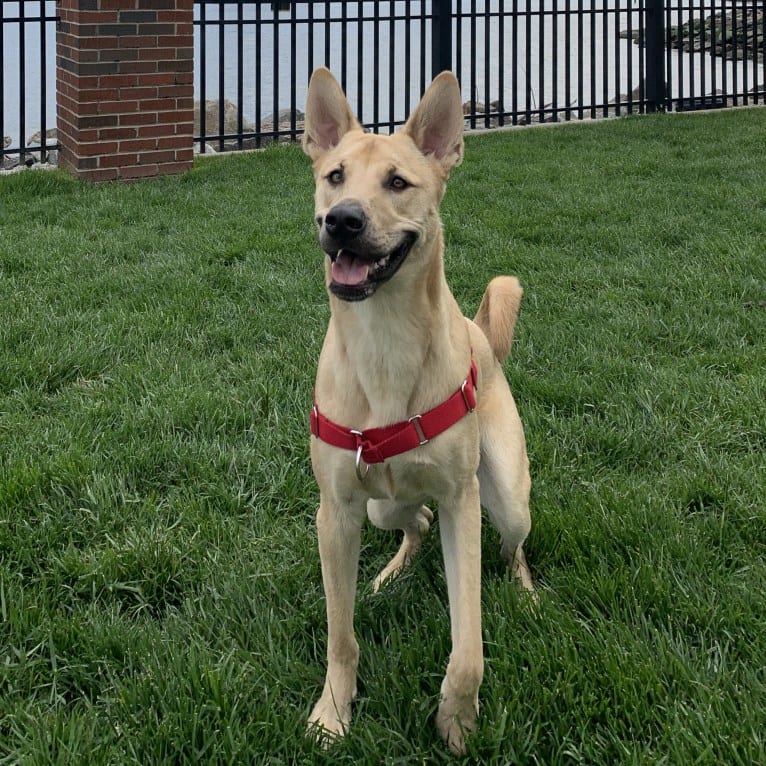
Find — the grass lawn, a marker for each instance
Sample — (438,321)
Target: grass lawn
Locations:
(160,593)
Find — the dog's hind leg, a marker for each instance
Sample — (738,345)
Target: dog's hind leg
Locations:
(504,478)
(415,521)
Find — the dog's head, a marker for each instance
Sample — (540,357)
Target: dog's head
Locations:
(377,196)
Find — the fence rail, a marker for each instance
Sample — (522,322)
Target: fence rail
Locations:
(518,61)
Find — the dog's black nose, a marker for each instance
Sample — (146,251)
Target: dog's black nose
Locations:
(345,221)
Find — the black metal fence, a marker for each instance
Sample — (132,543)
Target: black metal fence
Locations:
(27,79)
(518,61)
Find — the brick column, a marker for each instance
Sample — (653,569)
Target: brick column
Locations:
(125,87)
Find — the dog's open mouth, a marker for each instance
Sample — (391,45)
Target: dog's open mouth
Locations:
(356,276)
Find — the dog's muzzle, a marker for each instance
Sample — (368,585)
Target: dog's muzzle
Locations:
(357,268)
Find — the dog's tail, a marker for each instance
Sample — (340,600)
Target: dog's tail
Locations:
(498,312)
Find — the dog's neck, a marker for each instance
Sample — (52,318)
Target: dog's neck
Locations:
(388,342)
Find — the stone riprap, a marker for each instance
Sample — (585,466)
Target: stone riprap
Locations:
(737,36)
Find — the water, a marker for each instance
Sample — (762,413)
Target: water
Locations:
(531,87)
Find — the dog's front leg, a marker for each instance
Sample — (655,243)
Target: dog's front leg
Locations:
(460,524)
(339,532)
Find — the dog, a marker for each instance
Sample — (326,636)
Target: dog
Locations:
(410,404)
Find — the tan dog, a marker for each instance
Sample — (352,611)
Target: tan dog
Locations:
(398,346)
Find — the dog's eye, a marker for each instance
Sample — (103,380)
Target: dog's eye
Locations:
(397,183)
(336,177)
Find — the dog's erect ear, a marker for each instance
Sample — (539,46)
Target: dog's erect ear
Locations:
(436,125)
(328,115)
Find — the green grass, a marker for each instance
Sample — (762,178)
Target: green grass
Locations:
(160,595)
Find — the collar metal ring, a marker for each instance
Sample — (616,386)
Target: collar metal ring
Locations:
(358,465)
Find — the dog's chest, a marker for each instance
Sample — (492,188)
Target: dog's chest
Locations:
(385,354)
(404,480)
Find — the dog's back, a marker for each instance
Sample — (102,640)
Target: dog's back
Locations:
(498,312)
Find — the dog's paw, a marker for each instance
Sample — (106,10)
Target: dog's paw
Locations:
(423,520)
(457,714)
(454,727)
(327,724)
(322,735)
(517,562)
(413,537)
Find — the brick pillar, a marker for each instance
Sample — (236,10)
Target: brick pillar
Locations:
(125,87)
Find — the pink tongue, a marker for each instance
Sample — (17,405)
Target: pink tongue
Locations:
(349,270)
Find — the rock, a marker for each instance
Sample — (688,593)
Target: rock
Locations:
(285,116)
(634,35)
(51,137)
(209,149)
(635,95)
(481,114)
(736,35)
(473,107)
(47,160)
(50,155)
(212,111)
(10,161)
(283,124)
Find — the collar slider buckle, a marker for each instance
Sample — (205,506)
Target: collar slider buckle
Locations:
(415,420)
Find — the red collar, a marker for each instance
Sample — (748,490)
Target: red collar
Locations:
(377,444)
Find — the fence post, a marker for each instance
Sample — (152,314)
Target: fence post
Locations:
(656,95)
(441,36)
(125,87)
